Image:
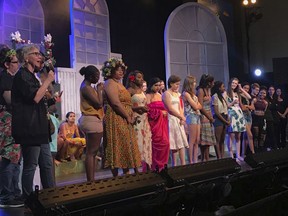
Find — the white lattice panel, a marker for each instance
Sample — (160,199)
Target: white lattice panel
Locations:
(70,97)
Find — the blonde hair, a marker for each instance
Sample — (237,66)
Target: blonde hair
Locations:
(189,85)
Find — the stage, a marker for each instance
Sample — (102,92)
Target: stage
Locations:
(242,183)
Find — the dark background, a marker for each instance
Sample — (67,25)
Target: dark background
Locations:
(137,32)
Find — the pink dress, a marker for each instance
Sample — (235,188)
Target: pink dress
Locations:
(160,136)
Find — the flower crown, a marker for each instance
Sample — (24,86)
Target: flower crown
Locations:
(10,53)
(112,63)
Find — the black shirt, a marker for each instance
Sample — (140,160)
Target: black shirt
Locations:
(6,81)
(29,122)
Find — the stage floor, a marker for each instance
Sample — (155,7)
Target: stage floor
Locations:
(81,177)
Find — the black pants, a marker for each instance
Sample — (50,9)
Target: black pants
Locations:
(270,141)
(282,135)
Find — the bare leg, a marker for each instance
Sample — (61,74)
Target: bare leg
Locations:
(238,144)
(174,157)
(194,137)
(218,134)
(231,139)
(92,146)
(62,149)
(221,142)
(250,138)
(202,148)
(182,156)
(206,153)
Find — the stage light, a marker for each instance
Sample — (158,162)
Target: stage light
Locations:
(253,1)
(245,2)
(257,72)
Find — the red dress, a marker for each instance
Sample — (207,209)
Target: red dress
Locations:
(160,136)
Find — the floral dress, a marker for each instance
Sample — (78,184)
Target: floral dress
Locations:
(236,116)
(121,142)
(142,129)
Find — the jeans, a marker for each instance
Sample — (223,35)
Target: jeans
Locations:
(9,179)
(32,156)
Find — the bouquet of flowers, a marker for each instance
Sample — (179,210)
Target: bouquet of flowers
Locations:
(49,59)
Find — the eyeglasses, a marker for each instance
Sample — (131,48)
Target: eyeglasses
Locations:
(35,53)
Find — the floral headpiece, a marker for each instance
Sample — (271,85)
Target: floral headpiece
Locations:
(111,64)
(131,78)
(10,53)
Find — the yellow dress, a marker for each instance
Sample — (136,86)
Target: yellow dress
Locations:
(121,142)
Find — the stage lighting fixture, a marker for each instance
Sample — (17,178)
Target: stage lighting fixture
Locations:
(245,2)
(258,72)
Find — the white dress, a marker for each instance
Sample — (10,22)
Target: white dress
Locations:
(177,135)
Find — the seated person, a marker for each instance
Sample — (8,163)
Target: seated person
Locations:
(70,144)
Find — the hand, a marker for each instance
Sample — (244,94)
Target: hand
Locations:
(57,97)
(130,120)
(100,86)
(211,119)
(51,76)
(235,101)
(145,109)
(182,122)
(228,122)
(183,118)
(164,113)
(240,87)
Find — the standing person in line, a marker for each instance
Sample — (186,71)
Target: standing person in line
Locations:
(220,114)
(282,112)
(247,107)
(158,119)
(121,143)
(30,120)
(9,150)
(141,126)
(91,120)
(236,116)
(162,87)
(272,121)
(144,87)
(192,109)
(255,88)
(258,119)
(207,135)
(176,120)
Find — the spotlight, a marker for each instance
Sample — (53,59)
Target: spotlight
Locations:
(258,72)
(253,1)
(245,2)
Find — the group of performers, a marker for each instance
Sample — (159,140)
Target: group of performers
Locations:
(138,127)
